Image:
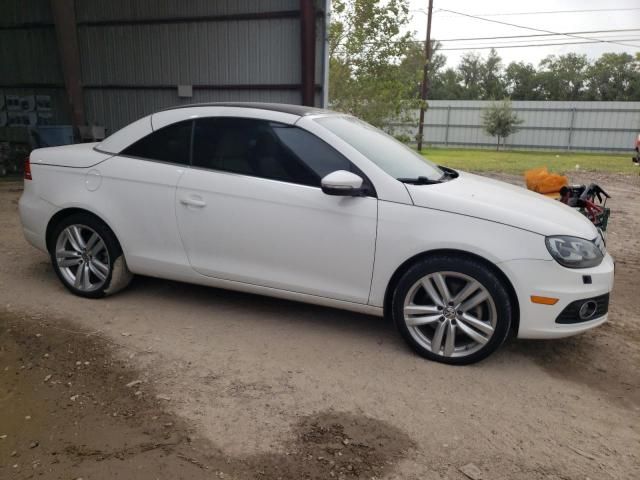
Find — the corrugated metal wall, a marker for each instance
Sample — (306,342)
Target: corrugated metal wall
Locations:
(213,55)
(134,53)
(99,10)
(589,126)
(26,32)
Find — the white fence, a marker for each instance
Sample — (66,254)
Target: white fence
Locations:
(588,126)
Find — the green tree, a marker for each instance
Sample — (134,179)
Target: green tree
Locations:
(446,86)
(522,82)
(413,62)
(491,81)
(500,121)
(614,76)
(470,70)
(480,78)
(366,47)
(563,77)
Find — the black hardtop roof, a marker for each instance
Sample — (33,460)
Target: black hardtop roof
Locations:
(299,110)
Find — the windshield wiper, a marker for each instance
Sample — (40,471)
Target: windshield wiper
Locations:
(419,181)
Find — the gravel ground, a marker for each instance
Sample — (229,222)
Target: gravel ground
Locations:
(241,386)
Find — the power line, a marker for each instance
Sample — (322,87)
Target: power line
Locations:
(516,42)
(535,35)
(534,29)
(497,47)
(558,11)
(544,12)
(533,45)
(514,36)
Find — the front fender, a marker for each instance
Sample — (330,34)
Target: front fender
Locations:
(405,231)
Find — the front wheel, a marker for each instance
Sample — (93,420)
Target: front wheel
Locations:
(87,257)
(452,309)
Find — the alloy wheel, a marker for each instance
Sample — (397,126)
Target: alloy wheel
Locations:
(450,314)
(82,258)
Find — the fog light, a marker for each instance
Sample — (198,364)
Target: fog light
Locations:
(584,310)
(588,310)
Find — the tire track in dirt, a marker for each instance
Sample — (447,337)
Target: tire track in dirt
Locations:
(70,408)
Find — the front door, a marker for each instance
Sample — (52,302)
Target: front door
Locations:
(251,210)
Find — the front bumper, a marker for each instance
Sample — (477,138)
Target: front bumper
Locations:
(546,278)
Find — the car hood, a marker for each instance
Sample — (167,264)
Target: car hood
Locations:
(501,202)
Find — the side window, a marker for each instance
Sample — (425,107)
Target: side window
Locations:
(169,144)
(248,147)
(318,155)
(315,153)
(260,148)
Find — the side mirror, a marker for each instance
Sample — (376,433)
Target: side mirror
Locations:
(342,183)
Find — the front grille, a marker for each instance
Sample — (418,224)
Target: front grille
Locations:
(571,313)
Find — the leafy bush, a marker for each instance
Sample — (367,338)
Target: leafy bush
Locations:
(500,121)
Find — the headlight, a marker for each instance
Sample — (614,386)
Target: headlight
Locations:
(574,252)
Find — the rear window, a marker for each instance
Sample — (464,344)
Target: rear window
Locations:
(170,144)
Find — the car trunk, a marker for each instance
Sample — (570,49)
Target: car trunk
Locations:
(81,155)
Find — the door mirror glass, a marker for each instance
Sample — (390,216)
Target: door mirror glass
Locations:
(342,183)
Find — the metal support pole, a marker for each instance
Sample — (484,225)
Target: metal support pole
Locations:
(425,77)
(573,118)
(446,131)
(64,18)
(325,60)
(307,51)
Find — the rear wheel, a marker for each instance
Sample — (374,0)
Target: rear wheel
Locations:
(87,257)
(452,309)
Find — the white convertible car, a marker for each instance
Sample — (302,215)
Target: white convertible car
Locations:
(320,207)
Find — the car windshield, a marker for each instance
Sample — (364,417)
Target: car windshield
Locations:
(392,156)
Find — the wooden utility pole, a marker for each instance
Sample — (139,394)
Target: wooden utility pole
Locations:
(425,76)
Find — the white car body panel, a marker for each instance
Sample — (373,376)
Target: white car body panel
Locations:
(293,241)
(549,279)
(136,199)
(81,155)
(501,202)
(443,231)
(283,235)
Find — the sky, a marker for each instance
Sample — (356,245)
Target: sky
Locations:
(446,25)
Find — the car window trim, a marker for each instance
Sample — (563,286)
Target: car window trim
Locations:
(236,174)
(191,141)
(144,159)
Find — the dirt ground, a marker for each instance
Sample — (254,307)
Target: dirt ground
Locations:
(167,380)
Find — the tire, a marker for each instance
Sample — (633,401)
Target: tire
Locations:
(83,243)
(474,305)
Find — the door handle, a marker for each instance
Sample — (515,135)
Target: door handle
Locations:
(193,202)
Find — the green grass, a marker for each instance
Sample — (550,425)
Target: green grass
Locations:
(519,161)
